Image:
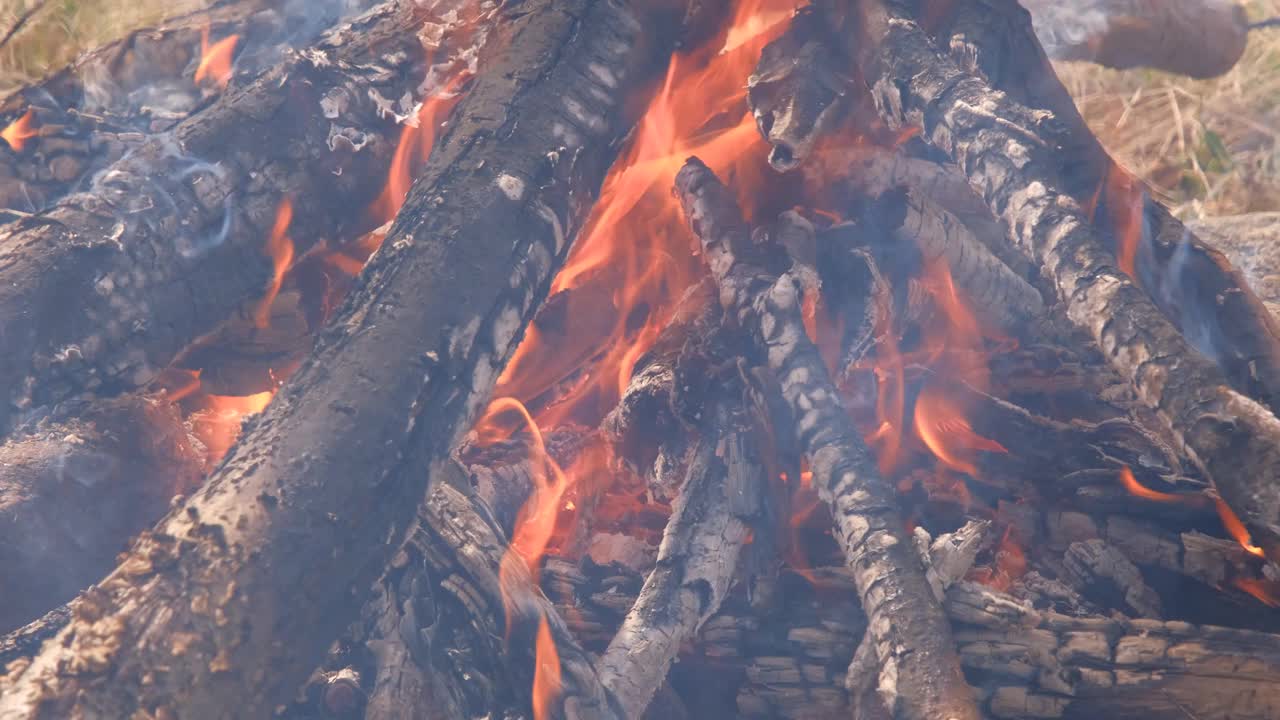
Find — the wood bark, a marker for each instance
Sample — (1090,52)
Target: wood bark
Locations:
(238,591)
(919,677)
(1000,145)
(1249,242)
(76,486)
(696,560)
(1192,283)
(90,113)
(102,290)
(1158,34)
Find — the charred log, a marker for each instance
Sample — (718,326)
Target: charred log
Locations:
(241,577)
(102,290)
(1232,439)
(1192,283)
(905,617)
(76,486)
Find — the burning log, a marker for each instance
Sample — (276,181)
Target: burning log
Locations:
(109,101)
(1157,34)
(697,558)
(76,486)
(905,617)
(227,593)
(1231,438)
(105,288)
(1192,283)
(1249,241)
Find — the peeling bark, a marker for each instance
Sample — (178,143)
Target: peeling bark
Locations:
(1000,145)
(101,291)
(233,593)
(919,675)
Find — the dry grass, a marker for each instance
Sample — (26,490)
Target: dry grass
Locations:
(1208,146)
(61,29)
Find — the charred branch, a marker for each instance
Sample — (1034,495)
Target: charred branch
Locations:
(905,617)
(102,290)
(1001,145)
(241,577)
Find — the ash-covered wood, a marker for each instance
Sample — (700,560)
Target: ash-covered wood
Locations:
(906,619)
(1197,38)
(110,100)
(1191,282)
(76,486)
(1001,145)
(233,593)
(102,290)
(696,560)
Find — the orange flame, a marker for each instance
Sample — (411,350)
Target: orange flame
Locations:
(946,432)
(1236,529)
(416,141)
(1131,484)
(215,59)
(280,250)
(1125,198)
(546,673)
(20,131)
(1263,591)
(218,424)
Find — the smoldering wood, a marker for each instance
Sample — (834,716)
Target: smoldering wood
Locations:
(102,290)
(291,514)
(1249,242)
(905,617)
(76,486)
(111,99)
(1232,439)
(697,558)
(1189,280)
(1158,34)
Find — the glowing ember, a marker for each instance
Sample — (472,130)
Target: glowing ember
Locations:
(1236,529)
(280,250)
(546,673)
(215,59)
(20,131)
(218,424)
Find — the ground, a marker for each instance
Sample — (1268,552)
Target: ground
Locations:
(1209,147)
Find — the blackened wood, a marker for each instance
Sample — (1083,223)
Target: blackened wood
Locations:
(1249,241)
(233,594)
(111,99)
(76,487)
(102,290)
(920,677)
(1191,282)
(1001,146)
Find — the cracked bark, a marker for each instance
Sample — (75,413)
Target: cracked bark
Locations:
(233,593)
(920,677)
(1192,283)
(1001,147)
(101,291)
(107,102)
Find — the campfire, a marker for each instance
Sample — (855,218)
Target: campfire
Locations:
(609,359)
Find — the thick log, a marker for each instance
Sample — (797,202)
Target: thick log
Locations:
(76,487)
(234,593)
(111,99)
(1158,34)
(1250,242)
(1000,145)
(919,677)
(102,290)
(1191,282)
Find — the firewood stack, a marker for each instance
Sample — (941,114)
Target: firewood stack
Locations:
(799,362)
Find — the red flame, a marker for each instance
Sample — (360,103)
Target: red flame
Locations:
(1265,592)
(20,131)
(215,59)
(946,432)
(546,673)
(1131,484)
(280,250)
